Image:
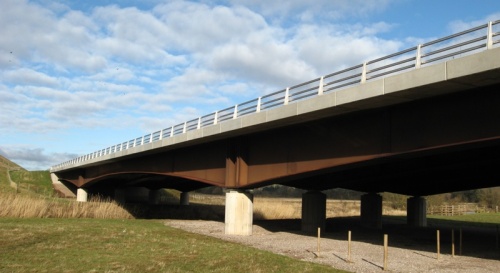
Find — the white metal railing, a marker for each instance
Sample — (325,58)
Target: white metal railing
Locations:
(457,45)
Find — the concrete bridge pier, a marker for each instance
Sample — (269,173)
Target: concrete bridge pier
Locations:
(81,195)
(371,210)
(154,197)
(120,195)
(416,214)
(184,199)
(239,213)
(313,211)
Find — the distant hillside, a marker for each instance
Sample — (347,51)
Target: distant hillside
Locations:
(34,182)
(7,164)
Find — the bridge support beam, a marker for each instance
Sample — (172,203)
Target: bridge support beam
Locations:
(313,211)
(371,210)
(239,213)
(81,195)
(184,200)
(416,211)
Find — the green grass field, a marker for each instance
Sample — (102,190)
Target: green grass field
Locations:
(91,245)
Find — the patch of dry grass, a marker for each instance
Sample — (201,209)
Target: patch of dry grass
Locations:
(25,206)
(291,208)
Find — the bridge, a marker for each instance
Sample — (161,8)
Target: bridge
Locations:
(418,122)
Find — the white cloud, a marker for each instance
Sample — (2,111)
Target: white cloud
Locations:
(319,10)
(26,76)
(460,25)
(34,158)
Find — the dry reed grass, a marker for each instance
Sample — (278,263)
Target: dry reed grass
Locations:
(25,206)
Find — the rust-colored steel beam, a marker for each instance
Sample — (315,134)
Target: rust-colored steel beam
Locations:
(405,144)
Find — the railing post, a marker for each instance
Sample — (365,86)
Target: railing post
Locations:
(216,117)
(285,100)
(235,113)
(184,129)
(418,58)
(199,123)
(259,100)
(363,73)
(161,134)
(320,88)
(172,131)
(489,39)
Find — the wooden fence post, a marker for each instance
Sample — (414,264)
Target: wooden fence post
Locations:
(386,242)
(349,246)
(438,243)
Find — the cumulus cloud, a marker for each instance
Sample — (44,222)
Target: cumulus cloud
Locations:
(322,10)
(34,158)
(26,76)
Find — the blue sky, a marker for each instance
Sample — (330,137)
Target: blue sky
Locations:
(78,76)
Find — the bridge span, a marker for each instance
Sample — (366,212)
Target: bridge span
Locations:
(418,122)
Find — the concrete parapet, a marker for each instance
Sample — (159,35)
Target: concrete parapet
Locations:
(371,210)
(416,214)
(239,213)
(313,211)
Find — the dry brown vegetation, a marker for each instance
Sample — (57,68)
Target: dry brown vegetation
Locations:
(266,208)
(26,206)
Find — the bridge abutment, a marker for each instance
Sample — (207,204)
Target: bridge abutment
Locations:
(313,211)
(416,211)
(371,210)
(81,195)
(239,213)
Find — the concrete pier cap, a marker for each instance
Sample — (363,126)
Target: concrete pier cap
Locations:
(239,212)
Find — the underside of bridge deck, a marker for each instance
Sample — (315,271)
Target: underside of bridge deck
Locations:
(435,145)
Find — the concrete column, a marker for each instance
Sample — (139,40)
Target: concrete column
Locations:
(120,194)
(313,211)
(81,195)
(154,197)
(416,211)
(239,213)
(371,210)
(184,201)
(137,195)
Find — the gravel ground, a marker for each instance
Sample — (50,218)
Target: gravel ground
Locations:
(410,250)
